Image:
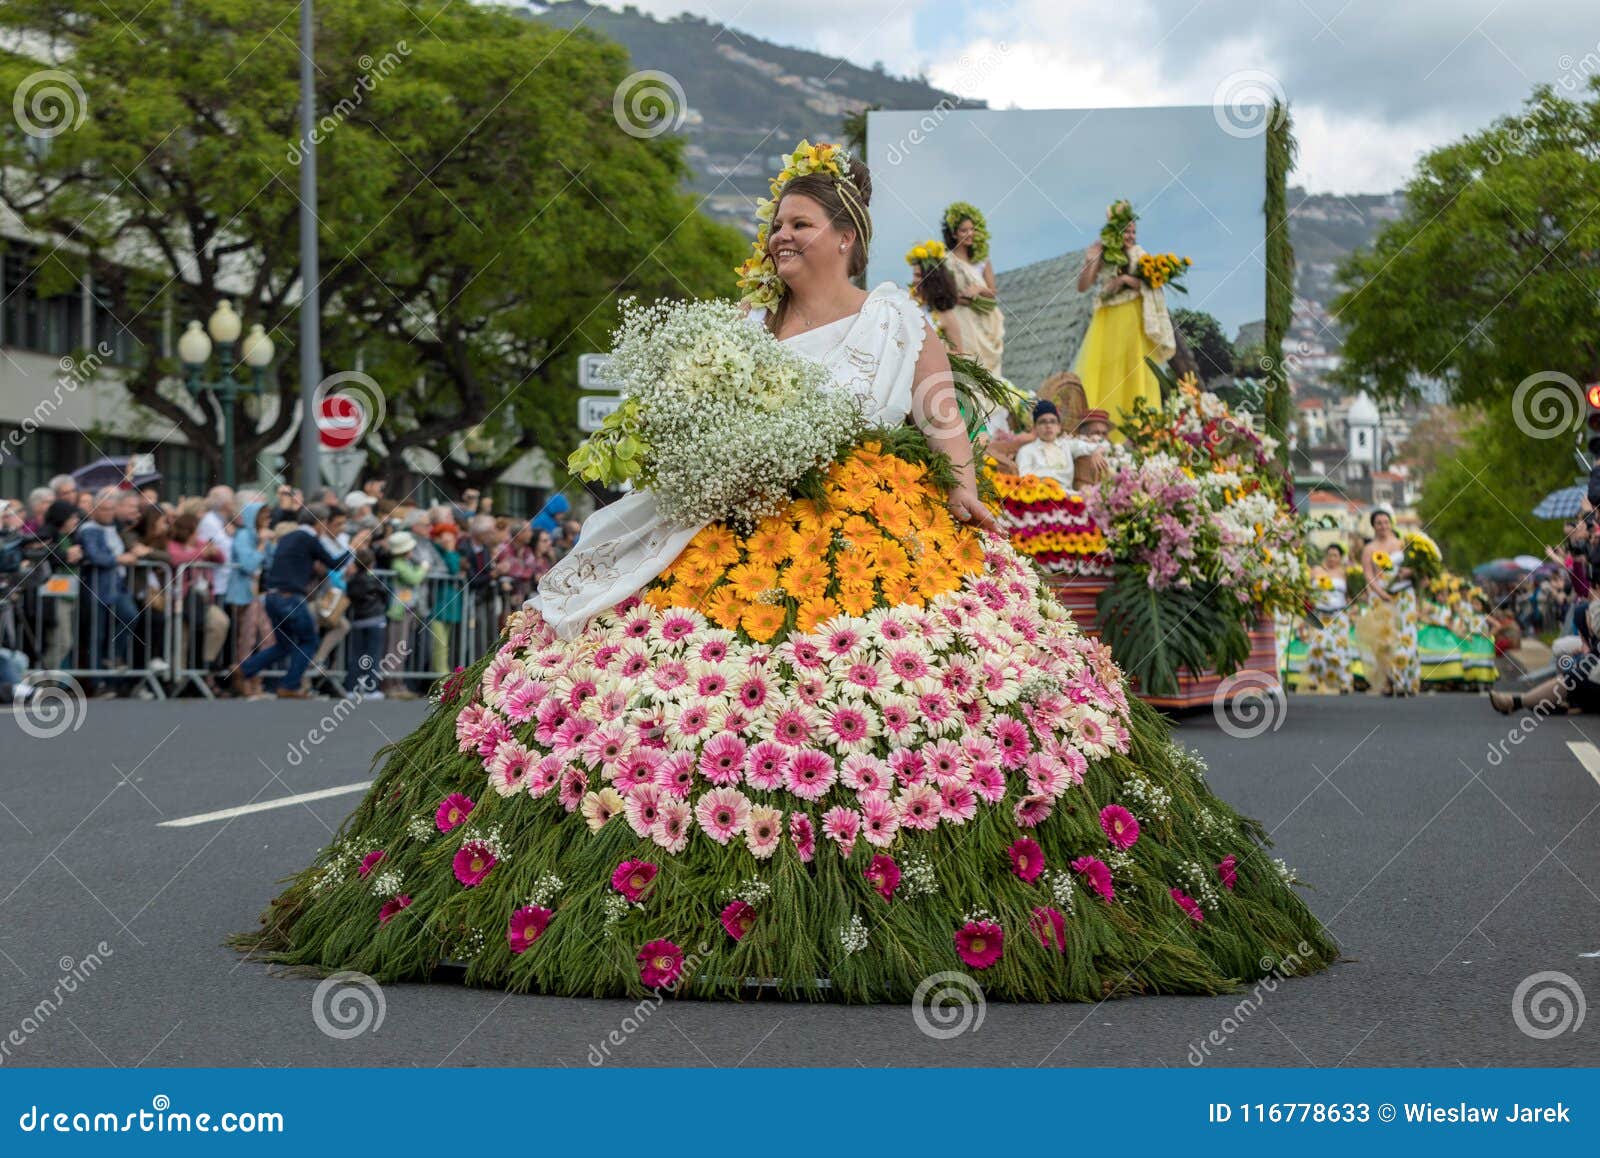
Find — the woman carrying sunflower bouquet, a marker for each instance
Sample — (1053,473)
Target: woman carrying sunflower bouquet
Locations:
(983,326)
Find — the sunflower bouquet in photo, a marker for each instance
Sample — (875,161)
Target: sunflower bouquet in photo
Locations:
(926,256)
(1422,556)
(1162,271)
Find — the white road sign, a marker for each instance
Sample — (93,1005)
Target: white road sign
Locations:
(593,409)
(589,367)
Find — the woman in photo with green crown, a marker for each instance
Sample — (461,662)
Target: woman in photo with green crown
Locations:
(1130,321)
(983,326)
(790,719)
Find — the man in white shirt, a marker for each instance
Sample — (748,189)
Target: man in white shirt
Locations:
(1050,455)
(214,530)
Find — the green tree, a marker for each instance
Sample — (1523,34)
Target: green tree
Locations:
(1478,503)
(481,208)
(1489,282)
(1213,352)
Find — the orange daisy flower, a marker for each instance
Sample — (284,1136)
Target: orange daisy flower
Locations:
(813,612)
(762,621)
(724,607)
(719,543)
(891,514)
(749,580)
(853,569)
(901,588)
(857,600)
(768,544)
(806,577)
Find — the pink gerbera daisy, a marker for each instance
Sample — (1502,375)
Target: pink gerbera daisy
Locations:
(643,808)
(879,823)
(391,908)
(765,765)
(637,768)
(908,766)
(1050,926)
(864,773)
(472,863)
(1031,810)
(1096,874)
(1121,829)
(792,727)
(574,783)
(883,875)
(803,836)
(722,759)
(722,812)
(671,830)
(919,806)
(842,641)
(1011,737)
(632,878)
(897,719)
(509,768)
(1188,905)
(660,964)
(946,762)
(676,625)
(527,926)
(980,943)
(957,803)
(522,699)
(753,691)
(370,861)
(849,728)
(811,690)
(804,654)
(811,773)
(1227,869)
(1046,775)
(713,651)
(737,918)
(544,775)
(1027,859)
(908,664)
(453,809)
(988,782)
(676,774)
(841,825)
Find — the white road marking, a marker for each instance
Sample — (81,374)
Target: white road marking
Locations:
(1588,755)
(285,801)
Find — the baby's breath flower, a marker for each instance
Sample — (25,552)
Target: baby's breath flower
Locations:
(854,935)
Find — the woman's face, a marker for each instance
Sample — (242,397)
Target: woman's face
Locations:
(1130,234)
(803,242)
(1381,526)
(1332,559)
(541,542)
(964,231)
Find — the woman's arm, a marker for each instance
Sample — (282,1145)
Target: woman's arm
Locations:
(938,416)
(988,290)
(1091,267)
(953,336)
(1370,570)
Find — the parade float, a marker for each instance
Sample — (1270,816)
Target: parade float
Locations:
(1181,557)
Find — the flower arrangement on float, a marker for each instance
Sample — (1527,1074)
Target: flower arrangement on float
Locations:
(1205,544)
(1050,525)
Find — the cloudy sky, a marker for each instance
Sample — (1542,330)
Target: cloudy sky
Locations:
(1372,82)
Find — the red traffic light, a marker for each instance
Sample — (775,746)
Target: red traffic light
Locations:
(1592,393)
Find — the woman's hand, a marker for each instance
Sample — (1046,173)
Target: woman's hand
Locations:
(968,508)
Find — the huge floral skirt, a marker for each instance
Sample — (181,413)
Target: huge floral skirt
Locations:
(827,760)
(1388,629)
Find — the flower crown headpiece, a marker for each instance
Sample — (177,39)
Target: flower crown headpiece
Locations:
(758,276)
(955,212)
(1119,215)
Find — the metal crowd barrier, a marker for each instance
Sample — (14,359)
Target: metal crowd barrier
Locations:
(161,625)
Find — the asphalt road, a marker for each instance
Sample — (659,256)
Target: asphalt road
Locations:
(1448,876)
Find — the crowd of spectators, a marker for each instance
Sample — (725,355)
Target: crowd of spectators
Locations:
(252,593)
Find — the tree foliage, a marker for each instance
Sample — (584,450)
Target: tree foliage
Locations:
(481,209)
(1213,352)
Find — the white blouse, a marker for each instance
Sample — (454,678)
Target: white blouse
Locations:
(622,547)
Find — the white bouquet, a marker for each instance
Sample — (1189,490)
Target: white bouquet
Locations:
(719,420)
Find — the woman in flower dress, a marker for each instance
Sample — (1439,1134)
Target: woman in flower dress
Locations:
(1130,321)
(1328,658)
(832,755)
(983,326)
(1389,627)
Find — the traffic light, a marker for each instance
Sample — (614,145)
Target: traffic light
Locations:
(1591,421)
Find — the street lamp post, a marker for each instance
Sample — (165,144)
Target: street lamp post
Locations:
(194,348)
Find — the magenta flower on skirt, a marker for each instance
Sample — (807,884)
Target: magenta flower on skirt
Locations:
(391,907)
(1227,871)
(472,863)
(1027,859)
(1122,830)
(980,943)
(370,861)
(632,878)
(453,809)
(1050,926)
(660,963)
(737,918)
(1188,905)
(527,926)
(883,874)
(1096,874)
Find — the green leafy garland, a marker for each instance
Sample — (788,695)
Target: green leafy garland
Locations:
(1119,215)
(955,213)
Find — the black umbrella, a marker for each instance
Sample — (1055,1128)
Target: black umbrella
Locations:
(111,472)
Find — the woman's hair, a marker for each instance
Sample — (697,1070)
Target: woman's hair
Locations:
(844,203)
(185,526)
(1333,547)
(948,229)
(1373,517)
(938,288)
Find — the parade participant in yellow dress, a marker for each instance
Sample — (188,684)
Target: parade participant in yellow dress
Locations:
(1130,320)
(1328,655)
(1389,627)
(983,326)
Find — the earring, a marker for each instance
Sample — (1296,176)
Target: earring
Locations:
(842,248)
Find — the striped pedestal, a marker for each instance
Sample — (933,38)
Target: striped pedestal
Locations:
(1078,594)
